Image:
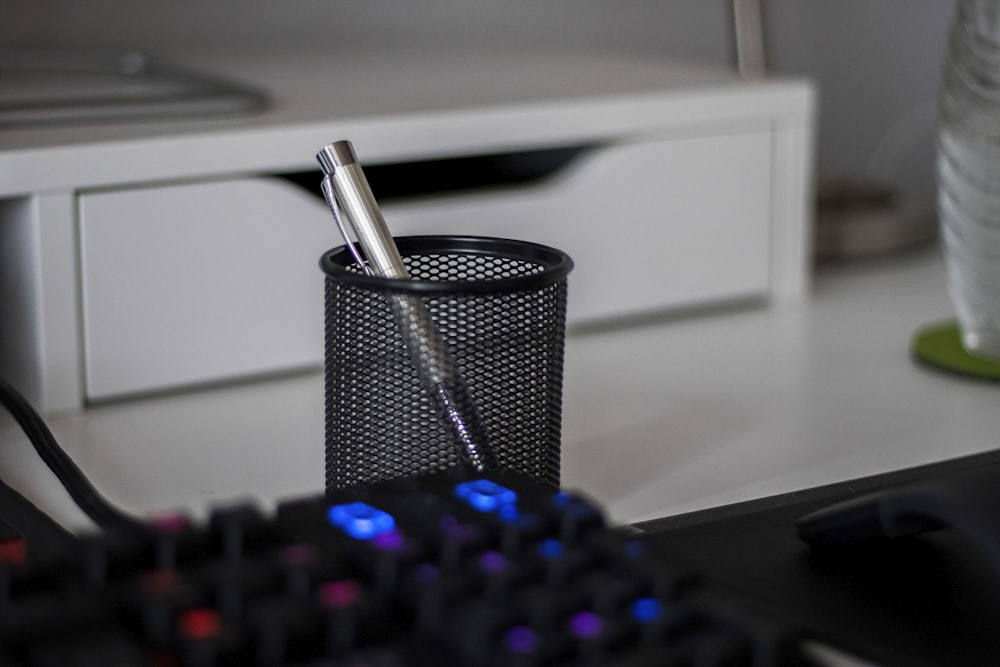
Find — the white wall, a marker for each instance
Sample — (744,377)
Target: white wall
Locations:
(693,28)
(878,65)
(877,62)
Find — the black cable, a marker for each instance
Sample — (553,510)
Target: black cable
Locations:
(72,478)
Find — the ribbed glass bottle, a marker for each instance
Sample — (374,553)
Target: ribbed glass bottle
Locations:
(968,168)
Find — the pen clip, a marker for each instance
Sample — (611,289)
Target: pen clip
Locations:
(330,194)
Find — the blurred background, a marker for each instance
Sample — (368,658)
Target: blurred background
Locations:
(877,64)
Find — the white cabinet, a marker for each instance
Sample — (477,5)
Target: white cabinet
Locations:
(183,284)
(149,256)
(651,225)
(202,282)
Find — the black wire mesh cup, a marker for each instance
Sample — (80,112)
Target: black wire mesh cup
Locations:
(499,305)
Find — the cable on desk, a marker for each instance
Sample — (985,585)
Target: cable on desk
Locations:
(72,478)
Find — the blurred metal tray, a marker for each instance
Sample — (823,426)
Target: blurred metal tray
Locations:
(54,86)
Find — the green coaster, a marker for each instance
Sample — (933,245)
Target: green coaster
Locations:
(938,345)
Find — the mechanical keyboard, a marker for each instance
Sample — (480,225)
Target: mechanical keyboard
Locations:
(445,569)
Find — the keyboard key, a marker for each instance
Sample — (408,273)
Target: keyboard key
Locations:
(484,495)
(204,639)
(284,630)
(576,515)
(236,528)
(360,520)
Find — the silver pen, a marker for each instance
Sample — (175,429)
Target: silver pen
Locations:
(352,203)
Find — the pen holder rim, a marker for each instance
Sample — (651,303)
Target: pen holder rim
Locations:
(556,265)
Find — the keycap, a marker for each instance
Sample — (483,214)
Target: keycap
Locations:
(236,528)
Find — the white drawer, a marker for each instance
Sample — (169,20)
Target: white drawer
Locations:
(650,225)
(202,282)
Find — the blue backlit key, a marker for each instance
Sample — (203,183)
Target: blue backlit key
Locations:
(646,610)
(484,495)
(551,549)
(360,520)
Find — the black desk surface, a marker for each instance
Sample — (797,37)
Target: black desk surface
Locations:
(926,600)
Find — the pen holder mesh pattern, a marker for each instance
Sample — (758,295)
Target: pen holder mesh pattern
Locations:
(499,305)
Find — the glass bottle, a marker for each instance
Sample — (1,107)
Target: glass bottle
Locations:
(968,169)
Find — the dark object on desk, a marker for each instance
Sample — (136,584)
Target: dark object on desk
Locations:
(440,570)
(927,600)
(861,218)
(968,502)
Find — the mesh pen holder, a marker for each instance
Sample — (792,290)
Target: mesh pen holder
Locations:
(499,305)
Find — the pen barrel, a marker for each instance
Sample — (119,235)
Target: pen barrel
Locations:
(357,200)
(442,380)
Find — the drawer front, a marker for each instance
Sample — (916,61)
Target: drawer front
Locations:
(650,225)
(200,282)
(194,283)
